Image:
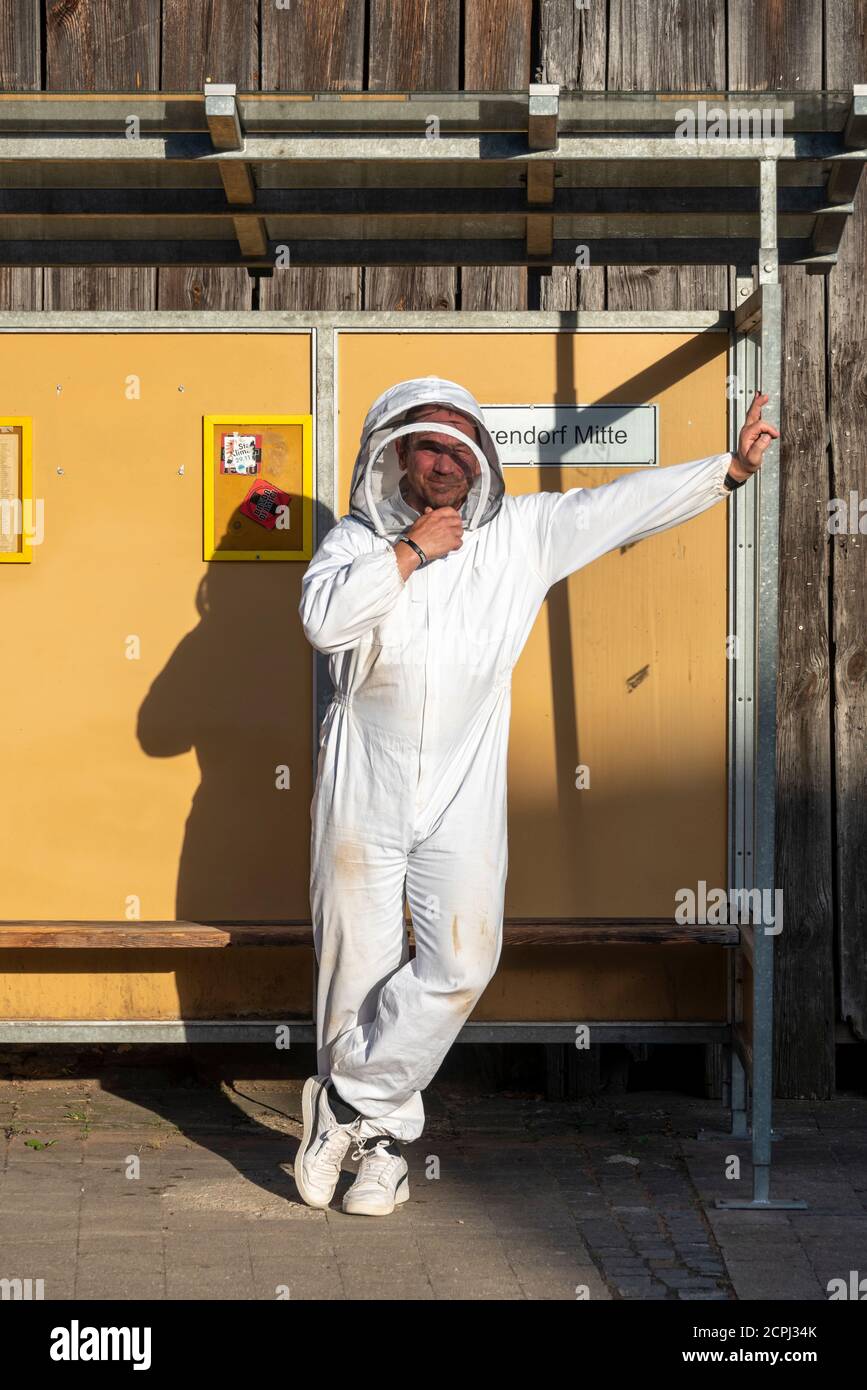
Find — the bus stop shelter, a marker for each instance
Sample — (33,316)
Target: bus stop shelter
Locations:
(539,178)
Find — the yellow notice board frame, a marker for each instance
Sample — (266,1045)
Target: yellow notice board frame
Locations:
(210,550)
(25,472)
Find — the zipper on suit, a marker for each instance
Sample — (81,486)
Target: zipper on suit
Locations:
(425,607)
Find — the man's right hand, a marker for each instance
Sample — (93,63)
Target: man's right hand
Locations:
(438,532)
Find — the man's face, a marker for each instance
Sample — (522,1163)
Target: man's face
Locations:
(439,469)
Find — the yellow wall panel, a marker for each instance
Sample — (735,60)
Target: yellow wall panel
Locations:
(151,777)
(681,984)
(237,982)
(654,817)
(155,777)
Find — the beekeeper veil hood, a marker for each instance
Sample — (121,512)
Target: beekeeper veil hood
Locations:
(376,498)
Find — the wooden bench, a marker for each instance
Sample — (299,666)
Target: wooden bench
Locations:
(183,935)
(517,931)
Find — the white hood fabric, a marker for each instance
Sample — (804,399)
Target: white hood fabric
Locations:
(375,498)
(411,783)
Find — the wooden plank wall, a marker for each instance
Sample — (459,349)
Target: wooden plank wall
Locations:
(846,63)
(665,45)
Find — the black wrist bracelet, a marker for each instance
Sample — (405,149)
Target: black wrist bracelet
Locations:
(417,548)
(732,482)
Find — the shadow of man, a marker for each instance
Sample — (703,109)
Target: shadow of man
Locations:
(233,692)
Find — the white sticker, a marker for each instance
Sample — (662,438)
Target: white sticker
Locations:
(241,453)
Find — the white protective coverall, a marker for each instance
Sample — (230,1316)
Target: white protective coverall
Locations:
(411,784)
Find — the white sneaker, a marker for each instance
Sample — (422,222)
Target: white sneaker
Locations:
(382,1182)
(323,1144)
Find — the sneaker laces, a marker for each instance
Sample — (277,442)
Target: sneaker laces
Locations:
(331,1149)
(376,1160)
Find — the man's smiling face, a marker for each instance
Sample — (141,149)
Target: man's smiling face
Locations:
(439,470)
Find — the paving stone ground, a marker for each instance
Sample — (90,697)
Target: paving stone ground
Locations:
(186,1192)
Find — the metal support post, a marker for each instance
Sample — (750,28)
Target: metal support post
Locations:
(765,530)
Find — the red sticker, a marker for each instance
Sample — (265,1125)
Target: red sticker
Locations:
(267,504)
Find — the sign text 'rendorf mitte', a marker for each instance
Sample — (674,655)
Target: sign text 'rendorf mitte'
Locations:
(607,436)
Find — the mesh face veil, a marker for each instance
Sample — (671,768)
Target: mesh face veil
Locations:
(375,497)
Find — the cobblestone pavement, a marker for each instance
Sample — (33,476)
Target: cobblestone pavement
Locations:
(512,1197)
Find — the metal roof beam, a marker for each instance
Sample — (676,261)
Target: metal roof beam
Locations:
(748,314)
(221,113)
(224,125)
(403,226)
(542,115)
(252,239)
(829,227)
(543,109)
(429,251)
(488,203)
(490,147)
(605,113)
(612,171)
(844,178)
(855,129)
(769,256)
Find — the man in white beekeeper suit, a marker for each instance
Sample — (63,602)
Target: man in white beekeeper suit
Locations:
(424,597)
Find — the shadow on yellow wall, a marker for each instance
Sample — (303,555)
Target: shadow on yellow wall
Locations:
(233,691)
